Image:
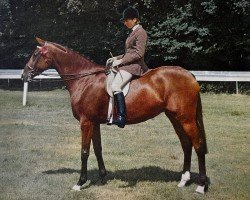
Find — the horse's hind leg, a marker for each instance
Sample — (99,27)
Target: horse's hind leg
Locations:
(189,135)
(192,131)
(97,145)
(187,150)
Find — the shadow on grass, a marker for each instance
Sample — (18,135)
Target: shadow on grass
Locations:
(132,176)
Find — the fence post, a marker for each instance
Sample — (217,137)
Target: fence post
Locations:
(25,92)
(237,88)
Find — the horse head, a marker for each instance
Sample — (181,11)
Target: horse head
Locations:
(40,60)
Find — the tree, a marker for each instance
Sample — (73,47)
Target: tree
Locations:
(204,34)
(196,34)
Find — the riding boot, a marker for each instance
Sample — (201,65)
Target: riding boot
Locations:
(120,121)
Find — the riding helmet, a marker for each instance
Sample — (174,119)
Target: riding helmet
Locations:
(130,13)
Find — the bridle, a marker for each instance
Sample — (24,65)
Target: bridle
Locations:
(33,71)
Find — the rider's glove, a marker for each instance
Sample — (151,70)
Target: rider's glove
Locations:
(116,63)
(107,71)
(110,61)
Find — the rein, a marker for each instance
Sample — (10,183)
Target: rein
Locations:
(72,76)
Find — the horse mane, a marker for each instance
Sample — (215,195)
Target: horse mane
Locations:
(76,56)
(60,47)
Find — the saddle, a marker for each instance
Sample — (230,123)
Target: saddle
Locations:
(109,79)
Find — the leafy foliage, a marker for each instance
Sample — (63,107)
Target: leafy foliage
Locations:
(196,34)
(177,33)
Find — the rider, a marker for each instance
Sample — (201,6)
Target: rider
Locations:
(130,64)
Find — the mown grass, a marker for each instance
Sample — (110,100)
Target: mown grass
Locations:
(40,152)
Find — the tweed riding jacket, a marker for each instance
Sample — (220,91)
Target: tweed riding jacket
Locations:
(133,58)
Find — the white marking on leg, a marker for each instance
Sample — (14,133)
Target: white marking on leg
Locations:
(200,189)
(184,179)
(76,188)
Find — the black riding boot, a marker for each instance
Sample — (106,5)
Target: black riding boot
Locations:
(120,121)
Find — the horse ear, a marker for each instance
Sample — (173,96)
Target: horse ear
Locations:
(44,51)
(40,41)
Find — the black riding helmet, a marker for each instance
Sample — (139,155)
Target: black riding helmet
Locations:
(130,13)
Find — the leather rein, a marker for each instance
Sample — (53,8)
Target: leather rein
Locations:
(71,76)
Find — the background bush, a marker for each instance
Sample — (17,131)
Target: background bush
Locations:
(196,34)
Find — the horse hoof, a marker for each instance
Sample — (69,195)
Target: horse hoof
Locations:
(200,189)
(184,179)
(76,188)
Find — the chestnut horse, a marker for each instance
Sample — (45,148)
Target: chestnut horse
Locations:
(172,90)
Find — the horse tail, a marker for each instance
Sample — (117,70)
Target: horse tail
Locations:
(199,120)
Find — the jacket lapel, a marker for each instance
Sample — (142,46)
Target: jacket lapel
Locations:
(129,38)
(133,32)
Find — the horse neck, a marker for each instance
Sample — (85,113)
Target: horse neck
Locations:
(72,63)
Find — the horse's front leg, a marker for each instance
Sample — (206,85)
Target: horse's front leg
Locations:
(87,128)
(97,144)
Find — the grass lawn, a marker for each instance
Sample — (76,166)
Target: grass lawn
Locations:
(40,152)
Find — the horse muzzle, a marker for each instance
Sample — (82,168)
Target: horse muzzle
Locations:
(27,74)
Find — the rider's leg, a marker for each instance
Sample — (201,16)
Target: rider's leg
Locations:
(120,80)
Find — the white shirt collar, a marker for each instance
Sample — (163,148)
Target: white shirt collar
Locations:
(135,27)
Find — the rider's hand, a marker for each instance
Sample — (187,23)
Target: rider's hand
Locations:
(116,63)
(110,61)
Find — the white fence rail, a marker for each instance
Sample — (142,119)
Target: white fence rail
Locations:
(16,74)
(232,76)
(200,75)
(222,76)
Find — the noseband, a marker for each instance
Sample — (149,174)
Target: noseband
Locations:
(33,70)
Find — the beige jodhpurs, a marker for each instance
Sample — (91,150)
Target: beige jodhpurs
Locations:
(121,79)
